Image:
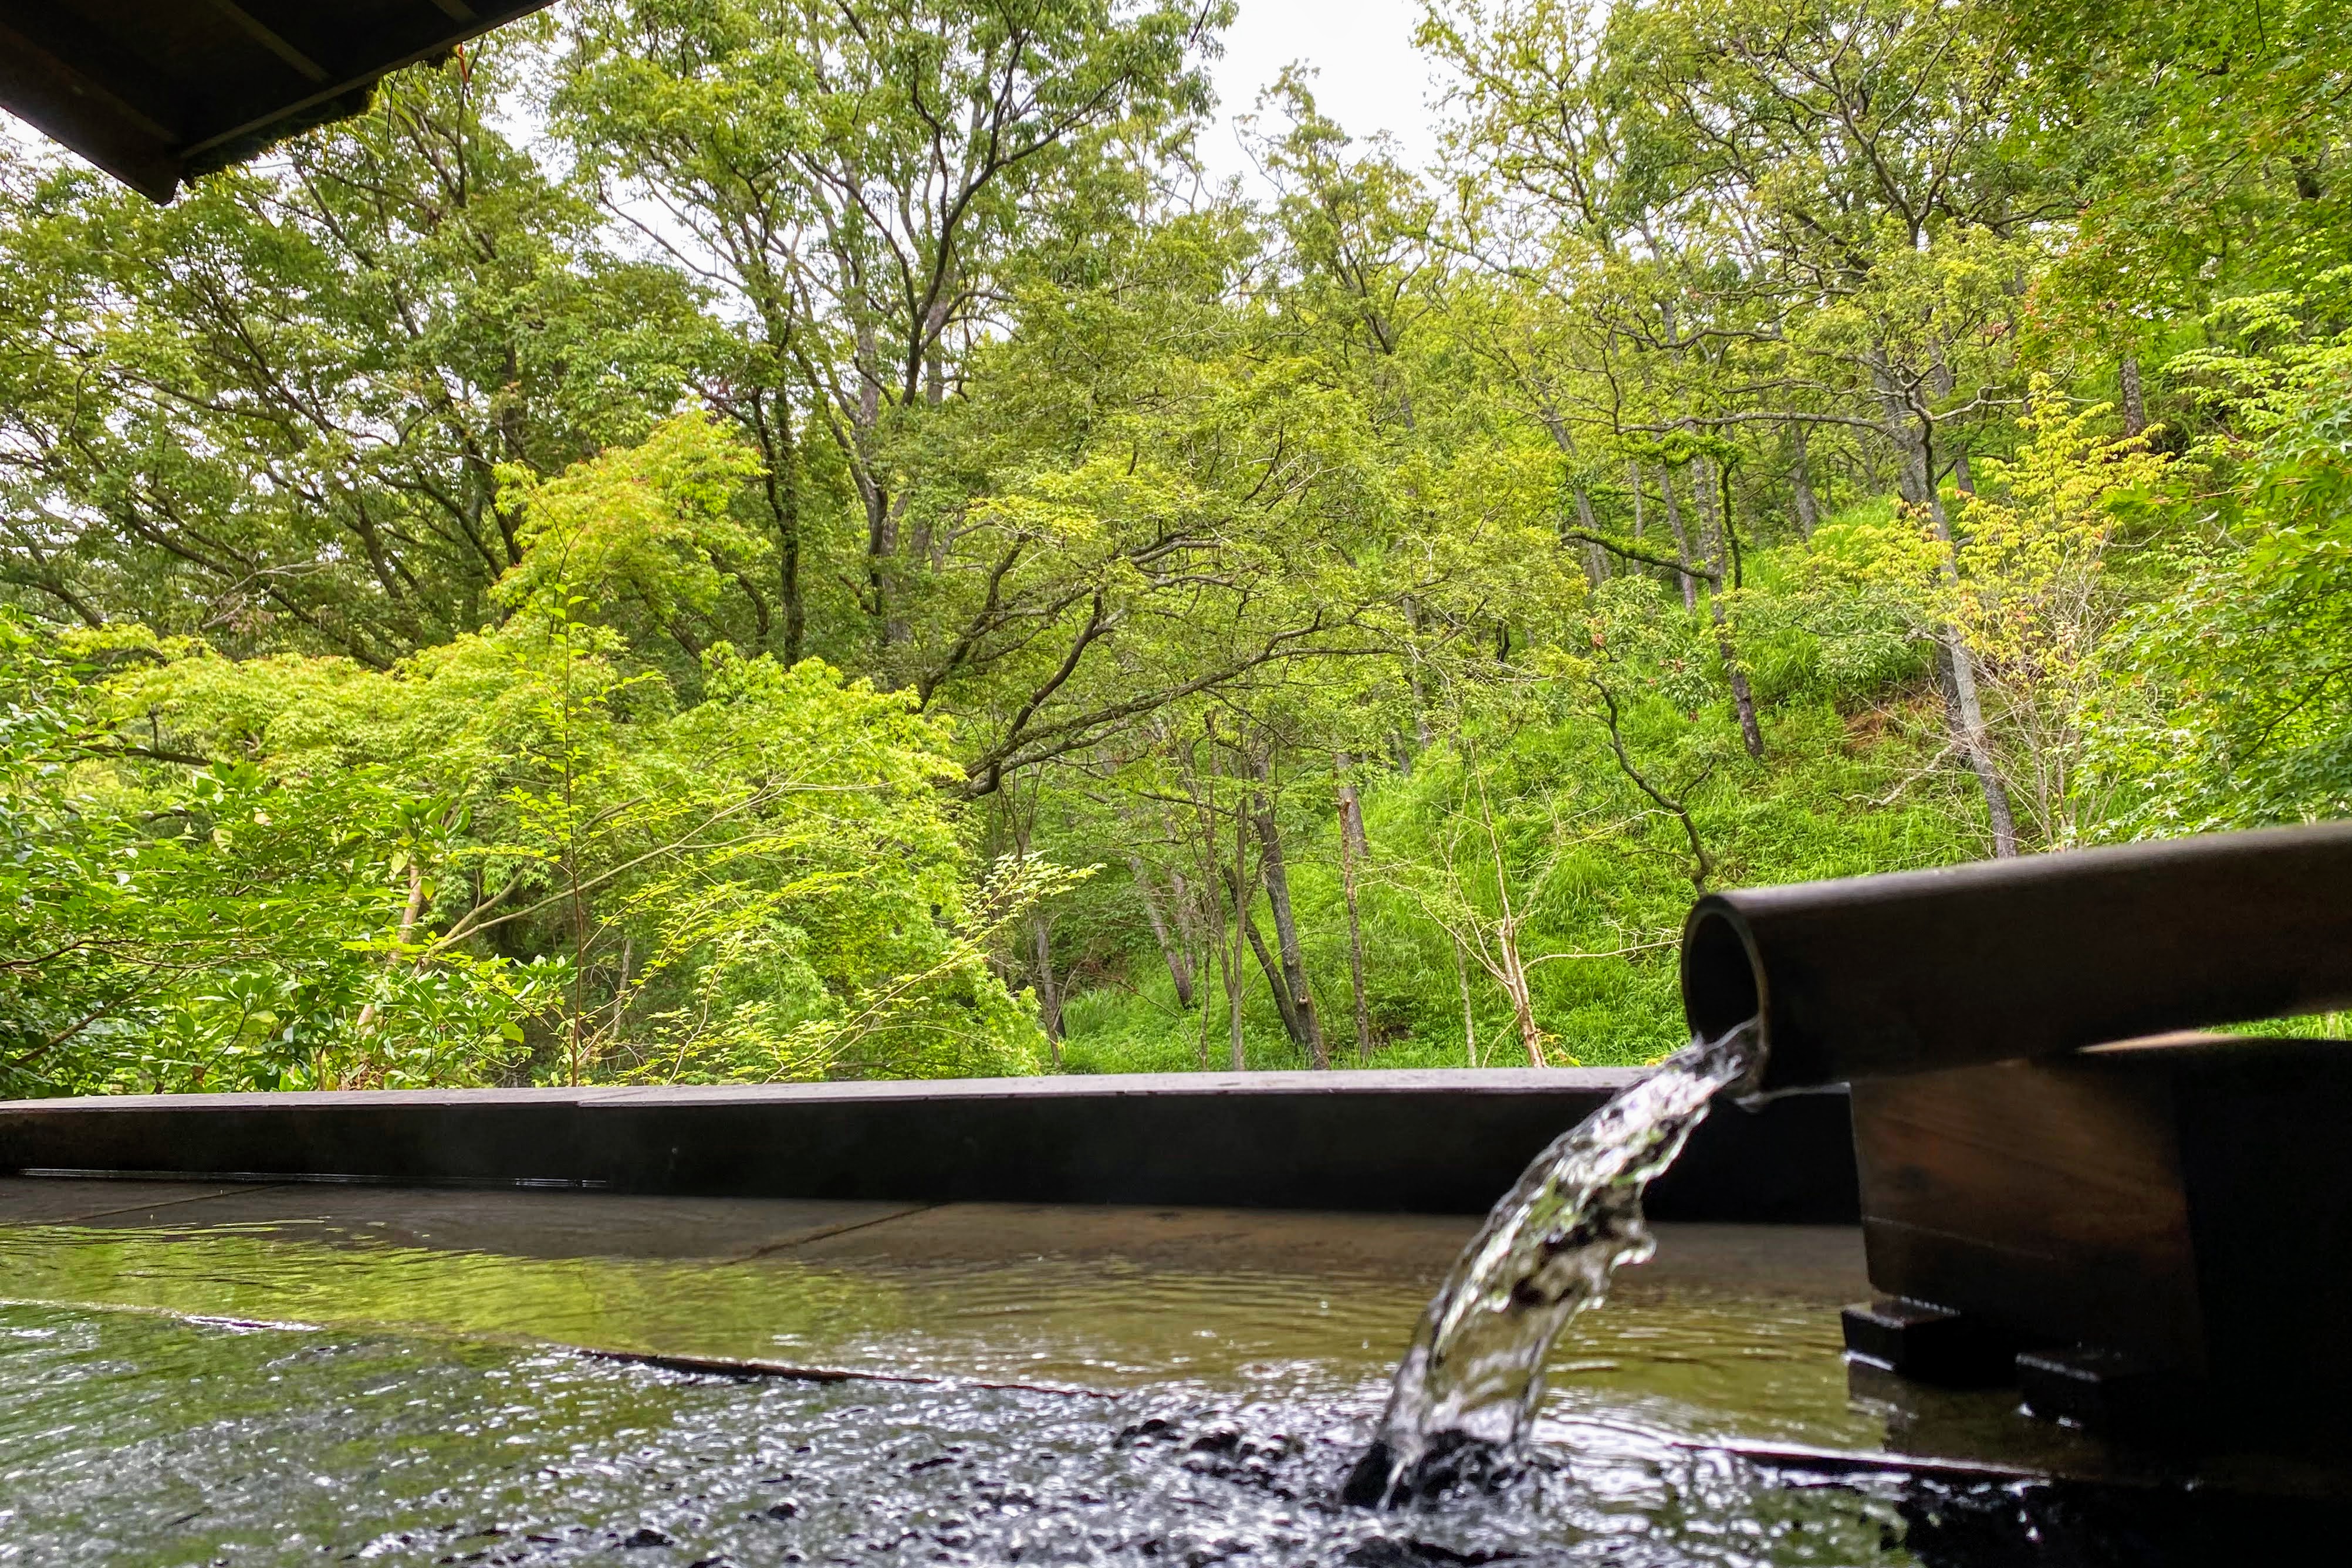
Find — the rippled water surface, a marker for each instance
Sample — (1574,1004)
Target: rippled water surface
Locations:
(1760,1363)
(298,1391)
(143,1439)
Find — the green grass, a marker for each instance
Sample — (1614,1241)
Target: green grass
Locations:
(1836,796)
(1119,1029)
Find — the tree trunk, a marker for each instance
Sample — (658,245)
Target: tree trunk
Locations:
(1682,541)
(1523,1007)
(2135,395)
(1271,969)
(1209,910)
(1469,1018)
(1966,715)
(1229,971)
(1633,479)
(1305,1027)
(864,452)
(1505,966)
(1967,710)
(1184,920)
(1049,993)
(1186,914)
(1596,564)
(1180,962)
(1412,677)
(1743,699)
(780,476)
(1240,885)
(620,988)
(1718,545)
(1233,879)
(1800,484)
(411,912)
(1353,851)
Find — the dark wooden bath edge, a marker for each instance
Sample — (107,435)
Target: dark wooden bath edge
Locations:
(1440,1141)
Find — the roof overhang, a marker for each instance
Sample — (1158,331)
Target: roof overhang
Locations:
(155,92)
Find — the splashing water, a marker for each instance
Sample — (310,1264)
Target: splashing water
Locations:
(1468,1390)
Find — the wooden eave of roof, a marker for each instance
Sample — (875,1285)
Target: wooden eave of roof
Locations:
(155,92)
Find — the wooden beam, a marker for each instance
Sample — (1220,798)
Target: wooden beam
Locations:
(308,68)
(77,108)
(152,121)
(384,56)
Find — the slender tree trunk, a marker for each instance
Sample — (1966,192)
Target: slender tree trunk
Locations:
(935,376)
(771,424)
(1507,967)
(788,536)
(1041,924)
(1234,876)
(1469,1018)
(1229,971)
(1682,541)
(1702,865)
(1229,960)
(1180,962)
(1305,1027)
(1717,525)
(620,988)
(1353,853)
(1184,915)
(2135,394)
(1713,553)
(1918,477)
(1188,916)
(1523,1007)
(1203,794)
(1596,564)
(1967,708)
(863,453)
(1800,484)
(1969,727)
(1049,993)
(1269,966)
(1743,698)
(1412,677)
(1634,482)
(410,913)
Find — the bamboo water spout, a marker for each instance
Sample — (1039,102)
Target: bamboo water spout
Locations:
(1874,976)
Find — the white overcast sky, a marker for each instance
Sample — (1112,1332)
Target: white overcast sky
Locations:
(1367,76)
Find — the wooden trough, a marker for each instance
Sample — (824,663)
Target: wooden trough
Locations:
(2152,1238)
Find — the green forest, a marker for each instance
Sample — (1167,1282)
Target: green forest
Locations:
(734,540)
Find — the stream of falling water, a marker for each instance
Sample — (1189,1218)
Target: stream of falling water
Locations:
(1468,1387)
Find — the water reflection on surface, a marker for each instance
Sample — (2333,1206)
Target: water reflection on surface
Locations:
(136,1439)
(1099,1322)
(375,1378)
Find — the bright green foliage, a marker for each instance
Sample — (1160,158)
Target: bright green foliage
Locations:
(766,882)
(2237,707)
(214,928)
(837,556)
(273,413)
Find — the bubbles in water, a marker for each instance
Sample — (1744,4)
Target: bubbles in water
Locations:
(1469,1386)
(136,1439)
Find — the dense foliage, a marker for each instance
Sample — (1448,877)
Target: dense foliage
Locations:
(713,539)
